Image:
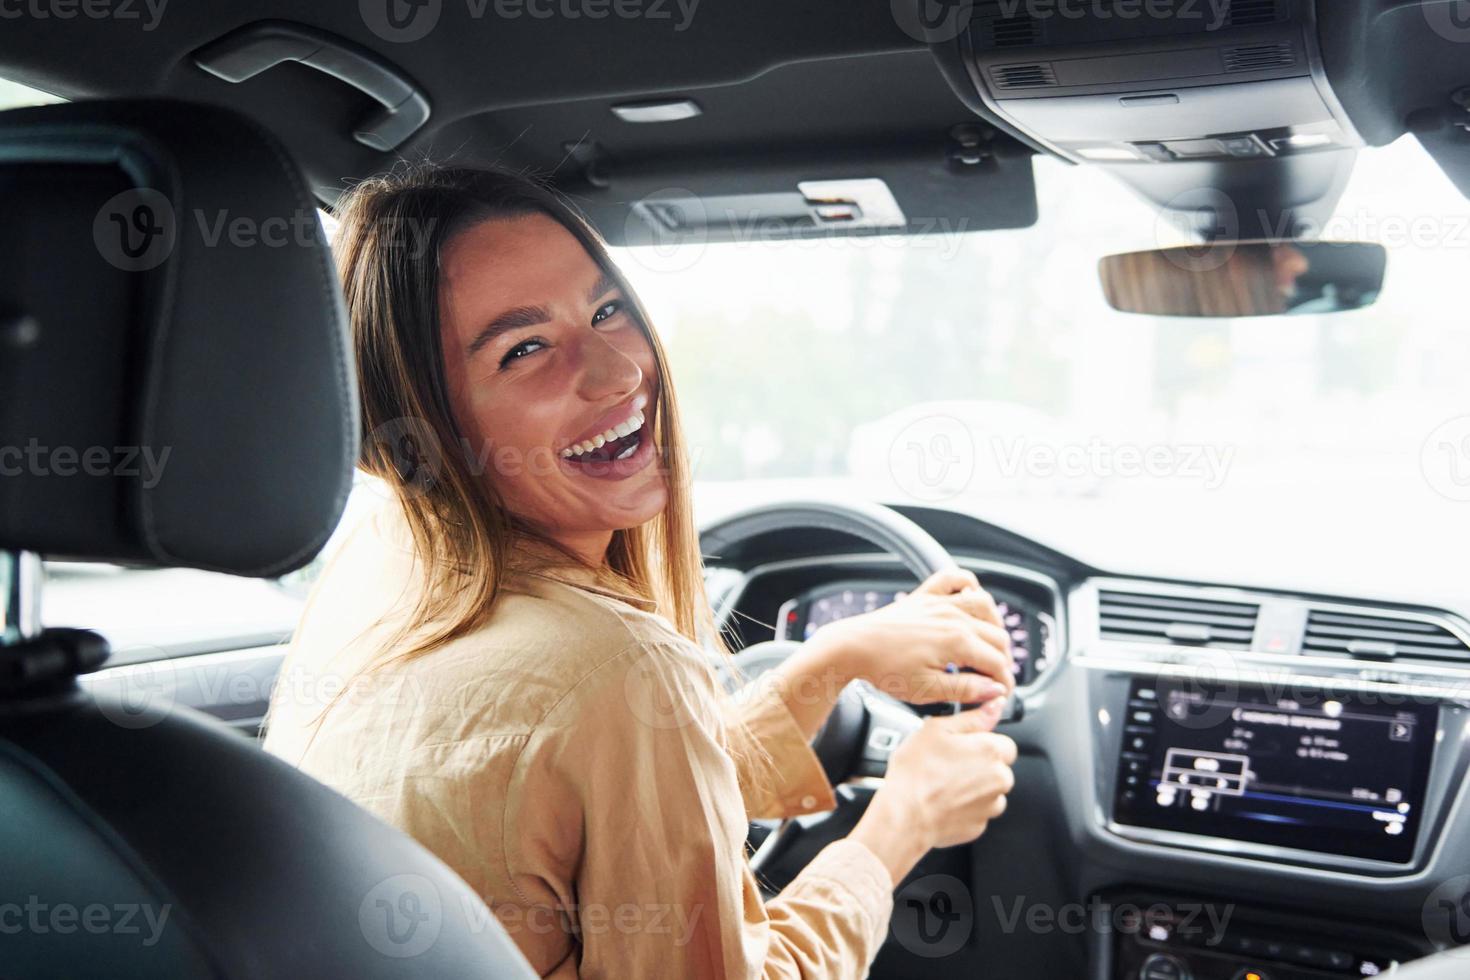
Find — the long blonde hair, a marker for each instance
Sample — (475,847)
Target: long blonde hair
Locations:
(393,229)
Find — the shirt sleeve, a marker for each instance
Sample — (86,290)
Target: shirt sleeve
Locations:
(645,839)
(780,775)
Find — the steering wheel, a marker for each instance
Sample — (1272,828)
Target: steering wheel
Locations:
(866,725)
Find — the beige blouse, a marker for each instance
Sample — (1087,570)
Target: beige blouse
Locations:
(574,762)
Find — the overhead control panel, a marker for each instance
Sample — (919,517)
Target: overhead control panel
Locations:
(1157,81)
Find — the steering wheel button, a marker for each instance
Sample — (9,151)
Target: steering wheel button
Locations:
(884,739)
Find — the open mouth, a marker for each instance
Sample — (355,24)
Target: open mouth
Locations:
(618,442)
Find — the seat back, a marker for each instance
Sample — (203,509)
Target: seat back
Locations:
(175,375)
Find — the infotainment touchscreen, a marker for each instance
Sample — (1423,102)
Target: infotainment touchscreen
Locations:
(1336,773)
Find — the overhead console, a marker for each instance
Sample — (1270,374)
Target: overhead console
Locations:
(1158,81)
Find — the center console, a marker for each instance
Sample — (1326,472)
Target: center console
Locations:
(1152,937)
(1303,772)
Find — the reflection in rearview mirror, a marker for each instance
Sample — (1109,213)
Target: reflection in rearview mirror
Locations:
(1231,279)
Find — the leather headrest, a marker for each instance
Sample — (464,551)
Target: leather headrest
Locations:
(175,377)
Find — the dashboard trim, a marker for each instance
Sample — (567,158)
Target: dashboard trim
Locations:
(1453,624)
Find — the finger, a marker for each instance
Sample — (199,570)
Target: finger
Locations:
(979,721)
(965,688)
(976,650)
(1003,746)
(980,604)
(997,806)
(1007,777)
(949,580)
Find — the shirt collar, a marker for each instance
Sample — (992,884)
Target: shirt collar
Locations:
(589,581)
(535,559)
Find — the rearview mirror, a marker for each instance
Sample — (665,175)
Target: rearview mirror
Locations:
(1234,279)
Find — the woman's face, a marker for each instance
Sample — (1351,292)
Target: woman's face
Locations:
(549,376)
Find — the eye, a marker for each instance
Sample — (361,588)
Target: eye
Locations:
(608,310)
(521,350)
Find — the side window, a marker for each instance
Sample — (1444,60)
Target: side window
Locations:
(153,613)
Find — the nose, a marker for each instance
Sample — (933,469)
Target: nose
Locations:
(607,372)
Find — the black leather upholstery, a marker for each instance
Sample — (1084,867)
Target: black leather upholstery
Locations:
(199,855)
(136,841)
(175,383)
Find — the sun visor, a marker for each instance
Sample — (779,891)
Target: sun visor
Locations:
(961,185)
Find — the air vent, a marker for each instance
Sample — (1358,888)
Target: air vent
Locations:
(1380,638)
(1015,32)
(1173,619)
(1023,76)
(1244,13)
(1260,57)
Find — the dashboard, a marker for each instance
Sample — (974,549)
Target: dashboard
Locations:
(1030,621)
(1298,760)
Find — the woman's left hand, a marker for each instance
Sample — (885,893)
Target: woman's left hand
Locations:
(913,647)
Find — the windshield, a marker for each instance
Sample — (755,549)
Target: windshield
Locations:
(986,372)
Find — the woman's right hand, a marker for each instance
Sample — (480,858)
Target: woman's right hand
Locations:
(944,785)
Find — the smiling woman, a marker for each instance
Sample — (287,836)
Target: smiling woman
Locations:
(520,647)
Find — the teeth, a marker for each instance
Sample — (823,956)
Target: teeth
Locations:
(618,431)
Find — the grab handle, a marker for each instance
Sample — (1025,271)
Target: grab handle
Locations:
(254,48)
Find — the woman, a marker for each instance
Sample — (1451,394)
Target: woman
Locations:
(506,660)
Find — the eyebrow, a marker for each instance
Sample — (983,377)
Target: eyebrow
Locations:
(513,319)
(530,316)
(605,284)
